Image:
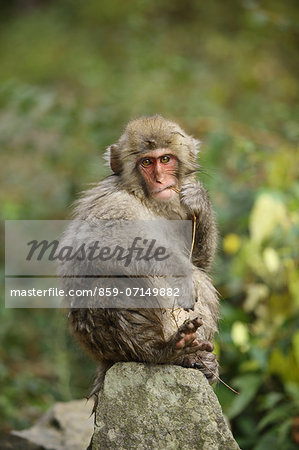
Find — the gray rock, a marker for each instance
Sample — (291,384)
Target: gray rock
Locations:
(159,407)
(65,426)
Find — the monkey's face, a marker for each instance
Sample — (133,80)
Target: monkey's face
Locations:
(159,169)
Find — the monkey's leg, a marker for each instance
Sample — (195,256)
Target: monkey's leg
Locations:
(183,342)
(112,335)
(205,361)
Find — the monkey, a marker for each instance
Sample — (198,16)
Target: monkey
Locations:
(154,168)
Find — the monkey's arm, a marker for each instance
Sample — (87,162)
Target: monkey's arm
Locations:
(195,199)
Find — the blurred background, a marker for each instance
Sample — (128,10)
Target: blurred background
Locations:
(72,74)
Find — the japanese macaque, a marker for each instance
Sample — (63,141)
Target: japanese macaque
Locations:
(154,177)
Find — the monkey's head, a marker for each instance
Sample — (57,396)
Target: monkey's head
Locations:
(153,156)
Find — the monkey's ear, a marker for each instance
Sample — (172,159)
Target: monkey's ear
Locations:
(112,158)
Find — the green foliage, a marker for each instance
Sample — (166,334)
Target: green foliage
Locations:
(72,74)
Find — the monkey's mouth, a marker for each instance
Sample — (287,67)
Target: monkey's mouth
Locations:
(172,187)
(164,193)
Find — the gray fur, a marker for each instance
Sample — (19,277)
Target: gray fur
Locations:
(147,335)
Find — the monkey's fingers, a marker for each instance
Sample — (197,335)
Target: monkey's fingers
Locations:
(186,334)
(191,324)
(198,347)
(206,346)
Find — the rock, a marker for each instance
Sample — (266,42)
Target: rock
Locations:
(159,407)
(65,426)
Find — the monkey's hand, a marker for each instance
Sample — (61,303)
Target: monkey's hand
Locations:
(194,198)
(185,341)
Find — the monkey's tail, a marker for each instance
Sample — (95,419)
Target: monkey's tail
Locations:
(99,380)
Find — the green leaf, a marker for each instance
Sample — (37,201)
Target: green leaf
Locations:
(280,413)
(271,399)
(248,386)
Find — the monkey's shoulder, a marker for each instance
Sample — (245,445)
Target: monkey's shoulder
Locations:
(108,201)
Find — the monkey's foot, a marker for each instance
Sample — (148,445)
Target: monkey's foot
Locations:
(185,340)
(205,361)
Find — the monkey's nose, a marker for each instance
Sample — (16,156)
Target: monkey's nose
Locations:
(159,177)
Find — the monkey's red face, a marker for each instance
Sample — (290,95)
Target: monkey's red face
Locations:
(159,171)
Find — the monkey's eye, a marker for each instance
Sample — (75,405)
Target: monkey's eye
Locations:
(146,162)
(164,159)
